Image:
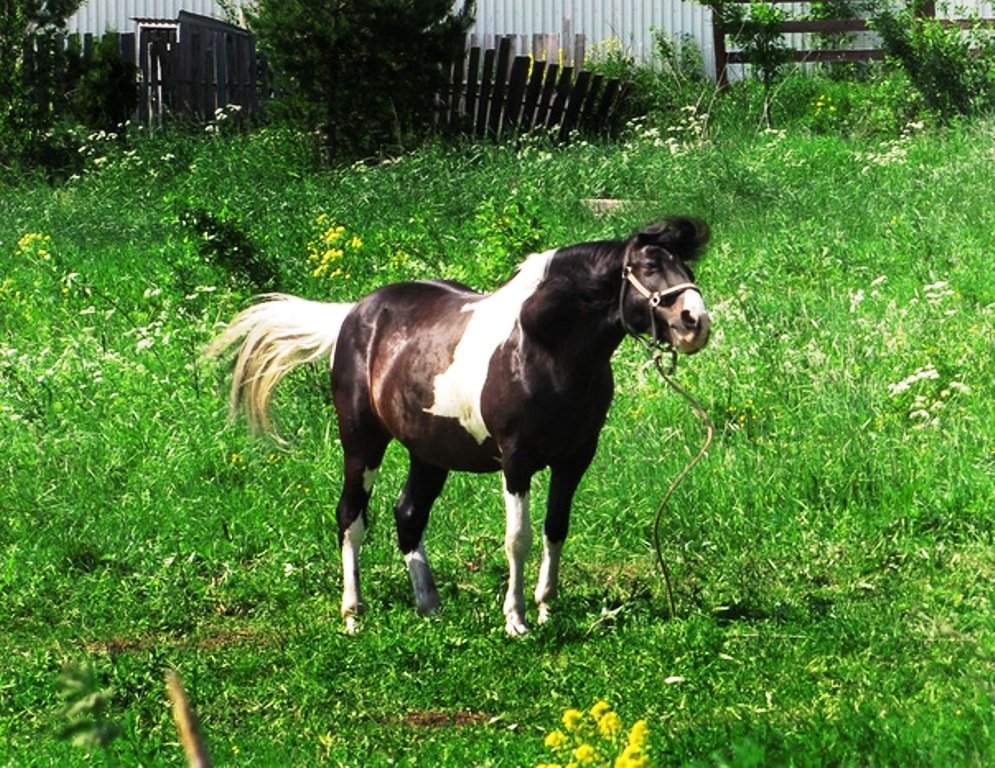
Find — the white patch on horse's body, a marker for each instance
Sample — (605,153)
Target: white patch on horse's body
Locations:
(549,576)
(517,545)
(422,581)
(352,541)
(458,389)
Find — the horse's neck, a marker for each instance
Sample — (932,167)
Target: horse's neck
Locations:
(577,315)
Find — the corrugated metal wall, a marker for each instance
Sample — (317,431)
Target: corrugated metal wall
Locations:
(631,22)
(99,16)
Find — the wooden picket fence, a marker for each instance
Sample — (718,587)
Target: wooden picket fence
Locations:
(494,93)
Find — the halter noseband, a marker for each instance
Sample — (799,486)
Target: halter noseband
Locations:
(653,298)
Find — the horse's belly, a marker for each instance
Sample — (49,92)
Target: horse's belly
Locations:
(445,443)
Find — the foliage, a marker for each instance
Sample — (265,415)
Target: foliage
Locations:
(674,78)
(754,28)
(105,97)
(86,705)
(952,79)
(363,73)
(29,95)
(832,556)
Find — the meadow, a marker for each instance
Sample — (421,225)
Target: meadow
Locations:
(832,556)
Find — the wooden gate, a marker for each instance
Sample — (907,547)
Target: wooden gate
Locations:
(195,66)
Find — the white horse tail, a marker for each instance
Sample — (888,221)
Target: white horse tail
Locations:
(276,335)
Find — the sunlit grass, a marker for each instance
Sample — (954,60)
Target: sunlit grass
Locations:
(832,556)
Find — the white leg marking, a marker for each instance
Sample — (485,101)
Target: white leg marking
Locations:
(517,545)
(549,577)
(422,581)
(458,388)
(352,603)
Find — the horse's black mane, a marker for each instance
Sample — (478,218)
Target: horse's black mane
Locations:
(591,272)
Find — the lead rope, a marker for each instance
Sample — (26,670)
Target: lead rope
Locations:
(709,434)
(656,350)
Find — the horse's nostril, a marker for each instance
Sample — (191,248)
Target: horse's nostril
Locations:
(689,319)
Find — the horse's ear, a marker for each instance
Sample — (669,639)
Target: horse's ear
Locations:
(684,236)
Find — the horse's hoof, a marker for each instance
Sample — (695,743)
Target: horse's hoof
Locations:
(351,625)
(515,626)
(429,606)
(544,613)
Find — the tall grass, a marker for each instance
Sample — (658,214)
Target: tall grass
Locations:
(832,556)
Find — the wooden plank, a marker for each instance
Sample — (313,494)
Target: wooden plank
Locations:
(472,84)
(484,97)
(562,92)
(591,100)
(500,84)
(455,94)
(516,91)
(532,94)
(546,96)
(612,92)
(574,103)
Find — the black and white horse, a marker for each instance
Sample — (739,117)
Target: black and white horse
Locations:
(516,380)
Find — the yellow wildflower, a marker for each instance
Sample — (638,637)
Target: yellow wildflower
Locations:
(333,234)
(572,718)
(555,739)
(585,754)
(600,709)
(34,244)
(356,243)
(639,734)
(609,725)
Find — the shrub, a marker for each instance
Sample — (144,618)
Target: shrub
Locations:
(105,95)
(940,62)
(28,94)
(365,74)
(674,79)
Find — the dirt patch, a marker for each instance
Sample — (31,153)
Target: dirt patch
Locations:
(459,718)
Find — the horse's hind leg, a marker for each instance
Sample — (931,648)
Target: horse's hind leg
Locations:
(411,512)
(360,471)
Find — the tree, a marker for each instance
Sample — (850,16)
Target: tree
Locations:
(363,72)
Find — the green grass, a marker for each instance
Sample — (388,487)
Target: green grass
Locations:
(832,556)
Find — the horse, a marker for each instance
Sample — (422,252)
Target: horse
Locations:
(517,380)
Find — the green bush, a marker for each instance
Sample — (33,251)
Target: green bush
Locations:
(105,95)
(939,60)
(29,95)
(365,74)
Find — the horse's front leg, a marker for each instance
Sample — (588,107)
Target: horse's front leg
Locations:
(563,482)
(517,546)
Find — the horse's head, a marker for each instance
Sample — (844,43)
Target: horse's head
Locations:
(658,294)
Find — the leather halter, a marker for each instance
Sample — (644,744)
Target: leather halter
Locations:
(653,298)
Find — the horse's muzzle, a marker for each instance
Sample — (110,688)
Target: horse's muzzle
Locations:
(690,324)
